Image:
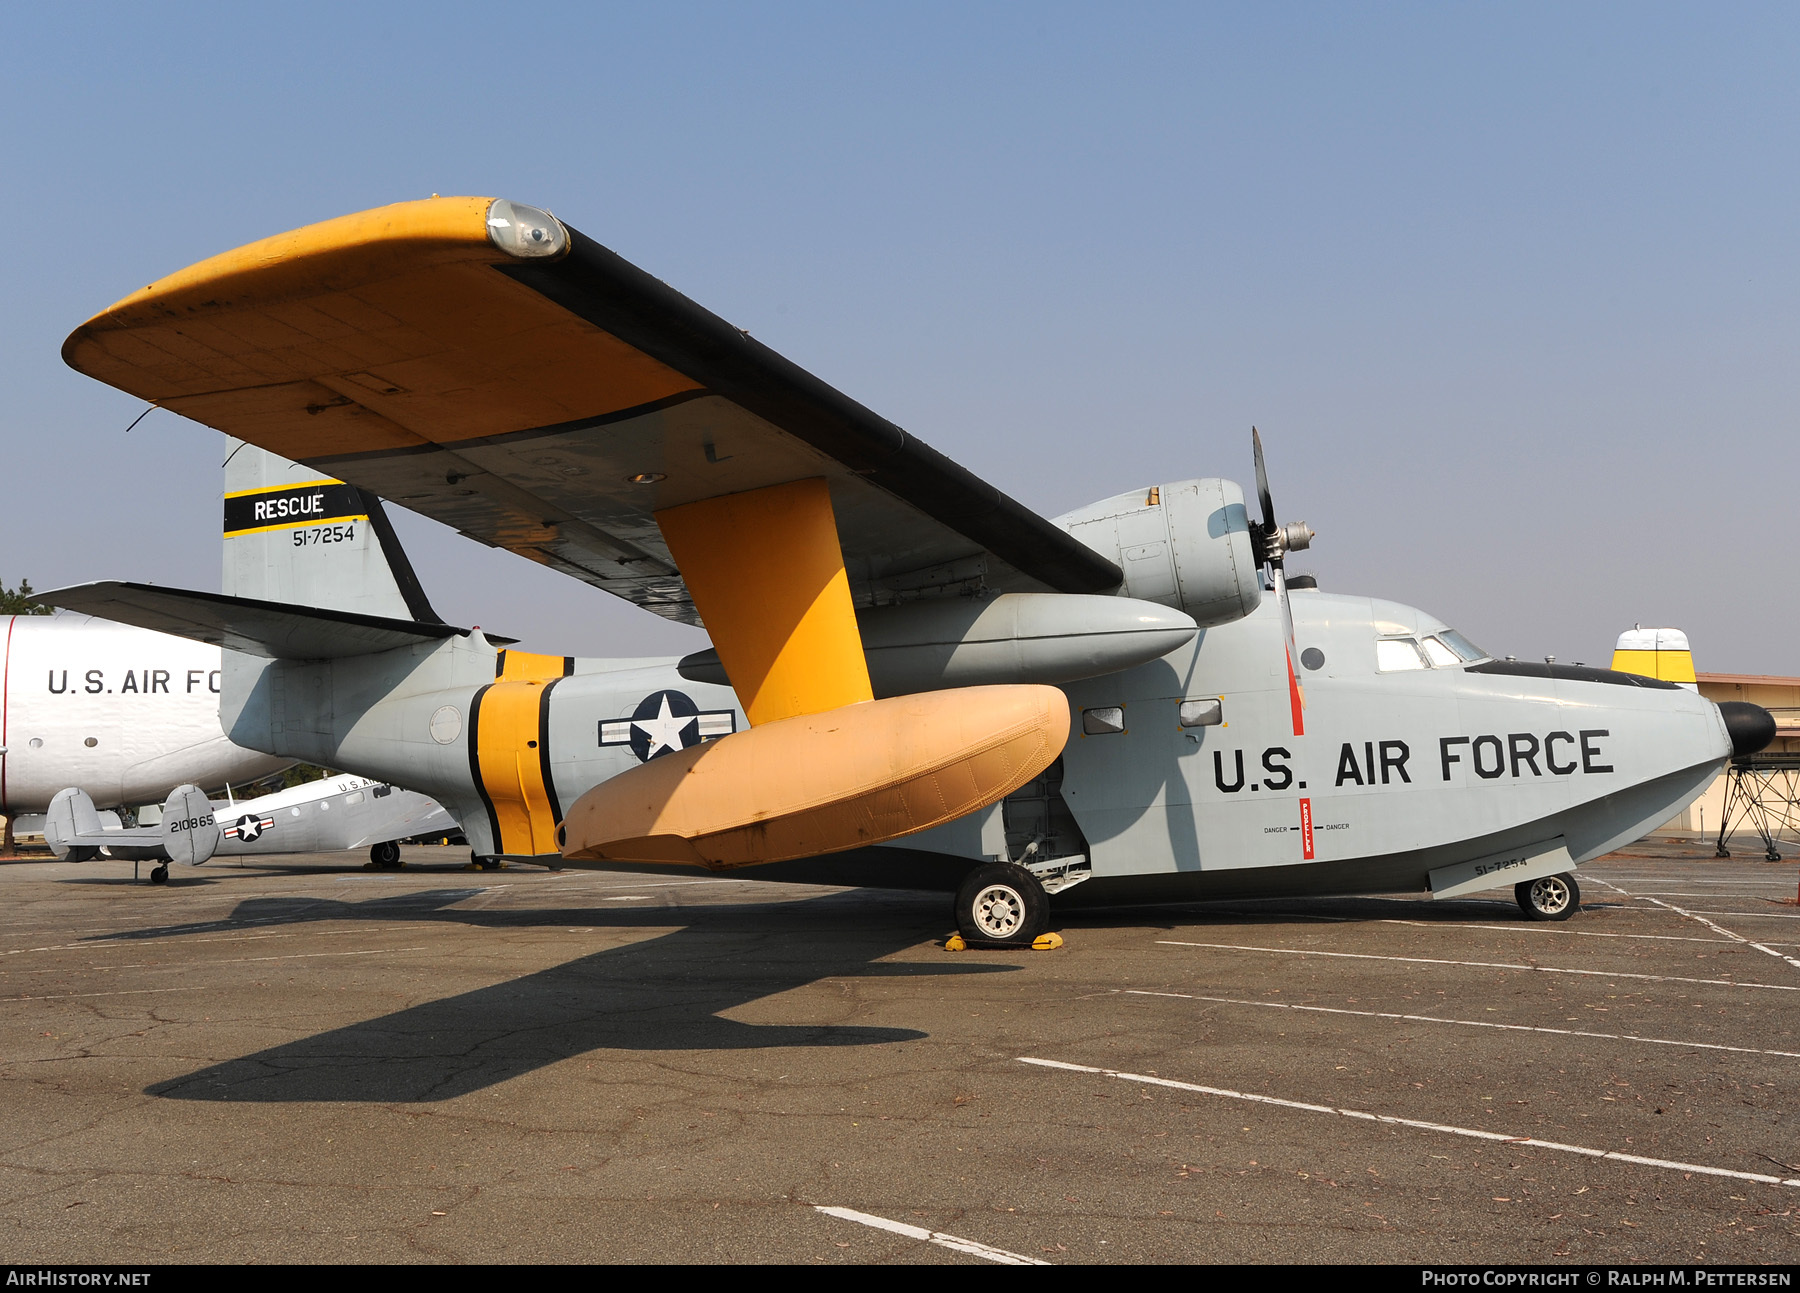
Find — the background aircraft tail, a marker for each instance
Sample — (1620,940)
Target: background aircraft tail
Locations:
(188,833)
(295,536)
(1656,653)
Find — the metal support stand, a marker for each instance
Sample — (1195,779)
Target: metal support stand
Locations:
(1762,791)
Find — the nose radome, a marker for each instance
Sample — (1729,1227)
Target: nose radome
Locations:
(1751,727)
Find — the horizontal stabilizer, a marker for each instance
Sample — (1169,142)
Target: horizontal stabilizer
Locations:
(269,629)
(188,833)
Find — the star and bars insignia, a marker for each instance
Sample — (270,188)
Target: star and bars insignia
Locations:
(248,827)
(666,721)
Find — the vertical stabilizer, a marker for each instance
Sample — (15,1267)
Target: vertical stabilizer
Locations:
(295,536)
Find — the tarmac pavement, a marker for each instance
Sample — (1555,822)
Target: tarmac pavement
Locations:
(315,1062)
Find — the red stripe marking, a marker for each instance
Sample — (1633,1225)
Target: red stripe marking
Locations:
(1295,700)
(1306,840)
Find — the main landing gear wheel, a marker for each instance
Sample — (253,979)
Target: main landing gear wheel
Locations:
(1002,905)
(160,875)
(386,856)
(1554,897)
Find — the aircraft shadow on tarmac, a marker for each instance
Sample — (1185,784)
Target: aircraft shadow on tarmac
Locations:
(663,993)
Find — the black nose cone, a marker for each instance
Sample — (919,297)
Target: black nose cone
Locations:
(1751,726)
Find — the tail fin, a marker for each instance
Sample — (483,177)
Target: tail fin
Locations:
(1656,653)
(70,816)
(295,537)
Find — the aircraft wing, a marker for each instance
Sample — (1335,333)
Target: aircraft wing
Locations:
(489,367)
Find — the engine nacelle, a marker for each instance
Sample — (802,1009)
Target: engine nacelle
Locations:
(1010,639)
(1186,545)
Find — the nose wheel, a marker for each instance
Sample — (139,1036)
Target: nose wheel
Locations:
(1002,905)
(160,874)
(1553,897)
(385,856)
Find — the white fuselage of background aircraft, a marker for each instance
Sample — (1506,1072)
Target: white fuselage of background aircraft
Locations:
(123,713)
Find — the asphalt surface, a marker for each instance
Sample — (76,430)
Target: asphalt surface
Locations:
(317,1062)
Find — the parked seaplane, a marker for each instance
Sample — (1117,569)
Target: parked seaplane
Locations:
(914,680)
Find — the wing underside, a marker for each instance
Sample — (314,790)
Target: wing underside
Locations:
(550,405)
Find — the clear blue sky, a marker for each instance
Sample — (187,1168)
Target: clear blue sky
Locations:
(1510,290)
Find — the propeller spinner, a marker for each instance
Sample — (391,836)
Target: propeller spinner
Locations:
(1273,542)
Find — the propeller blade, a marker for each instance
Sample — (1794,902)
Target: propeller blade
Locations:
(1274,543)
(1262,483)
(1296,692)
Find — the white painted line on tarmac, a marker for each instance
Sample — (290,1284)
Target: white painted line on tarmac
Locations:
(1746,915)
(1716,928)
(1485,965)
(942,1240)
(1473,1133)
(1720,929)
(1672,893)
(123,992)
(1540,927)
(1468,1023)
(1689,880)
(650,884)
(251,960)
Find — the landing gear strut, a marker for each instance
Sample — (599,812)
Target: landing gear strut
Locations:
(1002,905)
(1554,897)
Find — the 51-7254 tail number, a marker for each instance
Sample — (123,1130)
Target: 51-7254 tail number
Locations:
(325,534)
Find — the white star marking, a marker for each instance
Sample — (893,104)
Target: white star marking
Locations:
(664,730)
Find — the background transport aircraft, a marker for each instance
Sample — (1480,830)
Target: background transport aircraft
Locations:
(338,812)
(914,680)
(124,713)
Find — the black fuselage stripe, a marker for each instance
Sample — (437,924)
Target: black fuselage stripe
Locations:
(545,765)
(487,801)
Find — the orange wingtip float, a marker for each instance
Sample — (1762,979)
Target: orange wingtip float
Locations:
(823,783)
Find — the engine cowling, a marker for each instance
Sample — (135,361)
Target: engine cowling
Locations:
(1185,544)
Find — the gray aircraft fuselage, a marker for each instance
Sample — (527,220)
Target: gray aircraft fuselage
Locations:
(1379,778)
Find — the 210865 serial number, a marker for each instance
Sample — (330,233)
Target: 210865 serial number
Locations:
(324,534)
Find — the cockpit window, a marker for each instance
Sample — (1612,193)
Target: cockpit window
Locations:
(1395,654)
(1469,652)
(1441,656)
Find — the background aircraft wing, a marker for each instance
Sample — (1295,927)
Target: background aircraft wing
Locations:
(485,365)
(270,629)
